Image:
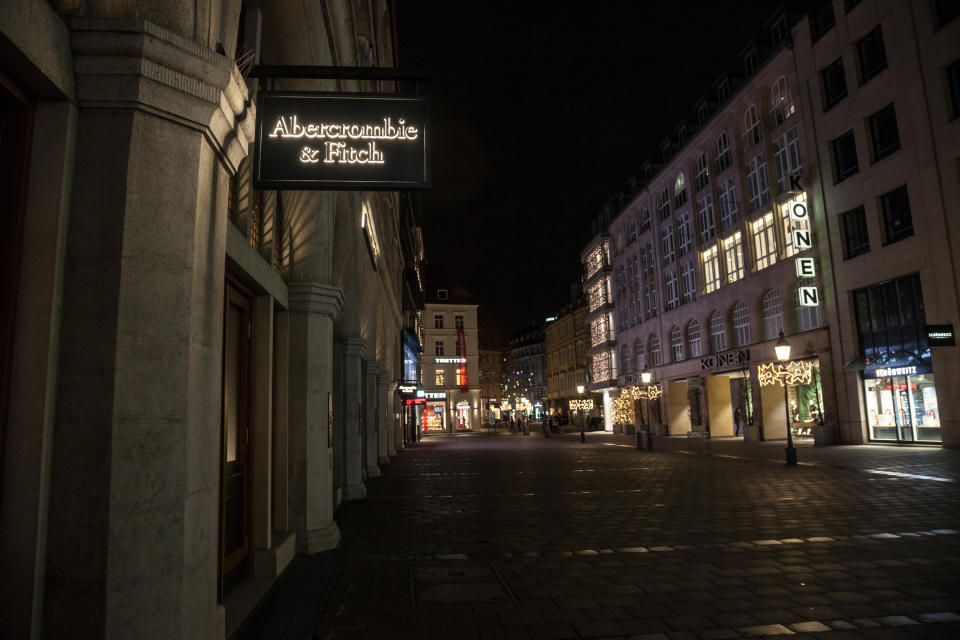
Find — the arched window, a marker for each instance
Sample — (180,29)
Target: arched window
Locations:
(654,342)
(741,324)
(676,344)
(641,355)
(772,314)
(781,102)
(680,191)
(693,339)
(718,332)
(721,152)
(751,127)
(626,359)
(807,317)
(703,172)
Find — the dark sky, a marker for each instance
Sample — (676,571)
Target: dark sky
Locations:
(540,114)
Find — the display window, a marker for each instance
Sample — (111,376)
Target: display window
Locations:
(903,408)
(433,417)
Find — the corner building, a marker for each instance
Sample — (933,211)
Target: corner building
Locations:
(451,364)
(195,373)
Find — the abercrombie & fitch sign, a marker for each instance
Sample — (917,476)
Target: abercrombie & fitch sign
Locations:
(322,141)
(724,359)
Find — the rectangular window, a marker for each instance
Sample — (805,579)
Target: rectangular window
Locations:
(664,204)
(438,348)
(884,135)
(787,156)
(711,269)
(834,84)
(458,321)
(845,156)
(438,322)
(705,217)
(438,380)
(897,221)
(757,184)
(666,244)
(822,20)
(673,293)
(953,81)
(461,376)
(764,241)
(733,253)
(855,238)
(729,210)
(684,234)
(688,282)
(650,299)
(872,54)
(791,224)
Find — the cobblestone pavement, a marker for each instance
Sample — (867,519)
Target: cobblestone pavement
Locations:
(479,536)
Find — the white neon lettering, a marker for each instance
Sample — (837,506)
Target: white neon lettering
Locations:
(342,153)
(290,127)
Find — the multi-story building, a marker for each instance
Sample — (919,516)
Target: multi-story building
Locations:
(565,343)
(881,84)
(808,194)
(451,364)
(197,372)
(491,382)
(598,290)
(524,373)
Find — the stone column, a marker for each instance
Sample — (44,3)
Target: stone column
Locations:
(373,416)
(313,306)
(386,434)
(348,430)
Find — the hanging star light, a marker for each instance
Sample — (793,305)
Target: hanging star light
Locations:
(793,372)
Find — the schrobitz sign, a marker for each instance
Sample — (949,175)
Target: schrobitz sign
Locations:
(319,141)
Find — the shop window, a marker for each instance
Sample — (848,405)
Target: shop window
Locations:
(708,229)
(897,220)
(764,241)
(872,54)
(834,84)
(902,408)
(752,133)
(718,333)
(772,314)
(721,155)
(844,156)
(741,324)
(855,238)
(676,344)
(884,135)
(808,318)
(711,269)
(654,342)
(693,339)
(702,177)
(733,254)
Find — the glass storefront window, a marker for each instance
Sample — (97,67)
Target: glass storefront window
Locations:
(903,408)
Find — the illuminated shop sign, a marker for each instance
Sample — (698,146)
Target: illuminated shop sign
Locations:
(941,335)
(803,240)
(724,359)
(321,141)
(436,395)
(450,360)
(891,372)
(407,389)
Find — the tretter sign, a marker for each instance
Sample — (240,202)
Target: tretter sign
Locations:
(323,141)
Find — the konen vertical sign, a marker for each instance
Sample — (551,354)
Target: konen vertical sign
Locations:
(323,141)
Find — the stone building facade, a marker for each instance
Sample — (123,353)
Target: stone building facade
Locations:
(451,364)
(197,373)
(565,344)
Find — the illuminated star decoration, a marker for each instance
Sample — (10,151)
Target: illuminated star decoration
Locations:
(793,372)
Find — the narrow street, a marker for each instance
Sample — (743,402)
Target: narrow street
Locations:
(481,536)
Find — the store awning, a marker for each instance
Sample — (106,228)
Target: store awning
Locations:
(857,364)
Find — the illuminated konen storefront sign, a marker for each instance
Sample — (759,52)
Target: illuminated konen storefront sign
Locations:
(802,236)
(321,141)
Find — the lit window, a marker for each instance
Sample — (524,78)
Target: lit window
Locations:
(718,333)
(711,269)
(693,339)
(781,102)
(439,378)
(790,225)
(741,324)
(721,154)
(764,241)
(705,218)
(733,253)
(703,172)
(676,344)
(751,127)
(461,377)
(772,314)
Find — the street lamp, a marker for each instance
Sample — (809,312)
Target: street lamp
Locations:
(782,349)
(580,387)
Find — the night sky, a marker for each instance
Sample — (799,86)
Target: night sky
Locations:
(539,116)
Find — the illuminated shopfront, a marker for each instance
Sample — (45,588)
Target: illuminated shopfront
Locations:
(902,404)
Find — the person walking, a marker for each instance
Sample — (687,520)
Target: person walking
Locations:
(737,421)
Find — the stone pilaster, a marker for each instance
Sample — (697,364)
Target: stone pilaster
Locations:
(313,306)
(373,416)
(385,436)
(348,429)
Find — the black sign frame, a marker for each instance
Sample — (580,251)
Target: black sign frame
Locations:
(941,335)
(418,178)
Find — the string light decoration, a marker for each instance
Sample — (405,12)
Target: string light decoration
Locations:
(793,372)
(623,405)
(585,404)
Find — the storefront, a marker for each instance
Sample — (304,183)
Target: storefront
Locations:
(901,403)
(804,396)
(434,411)
(463,415)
